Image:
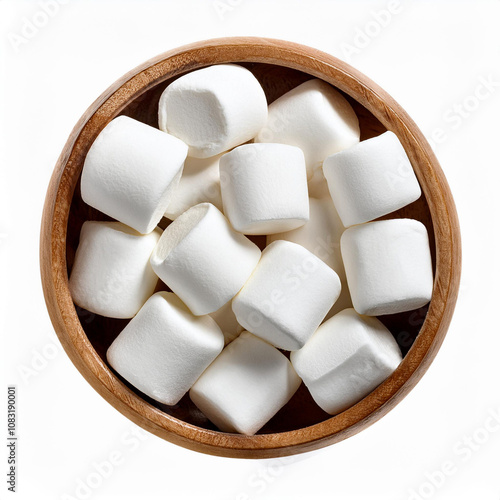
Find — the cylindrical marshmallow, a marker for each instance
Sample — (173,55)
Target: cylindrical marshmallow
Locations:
(264,188)
(130,172)
(111,274)
(213,109)
(199,183)
(371,179)
(287,296)
(388,266)
(346,359)
(164,349)
(245,386)
(316,118)
(203,260)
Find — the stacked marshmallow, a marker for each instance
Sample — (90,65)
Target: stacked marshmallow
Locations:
(223,166)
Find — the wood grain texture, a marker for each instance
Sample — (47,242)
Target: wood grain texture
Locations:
(300,426)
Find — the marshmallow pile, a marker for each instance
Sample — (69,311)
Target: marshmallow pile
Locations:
(223,166)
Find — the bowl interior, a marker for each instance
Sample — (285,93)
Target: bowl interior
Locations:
(301,411)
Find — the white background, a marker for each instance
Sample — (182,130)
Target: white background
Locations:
(432,57)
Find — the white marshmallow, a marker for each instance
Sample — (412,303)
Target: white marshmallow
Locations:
(111,274)
(371,179)
(245,386)
(388,266)
(227,322)
(346,359)
(164,349)
(316,118)
(131,171)
(199,183)
(213,109)
(264,188)
(203,260)
(287,296)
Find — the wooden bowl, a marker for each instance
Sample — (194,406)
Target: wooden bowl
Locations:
(301,425)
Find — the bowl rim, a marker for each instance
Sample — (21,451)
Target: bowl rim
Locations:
(435,188)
